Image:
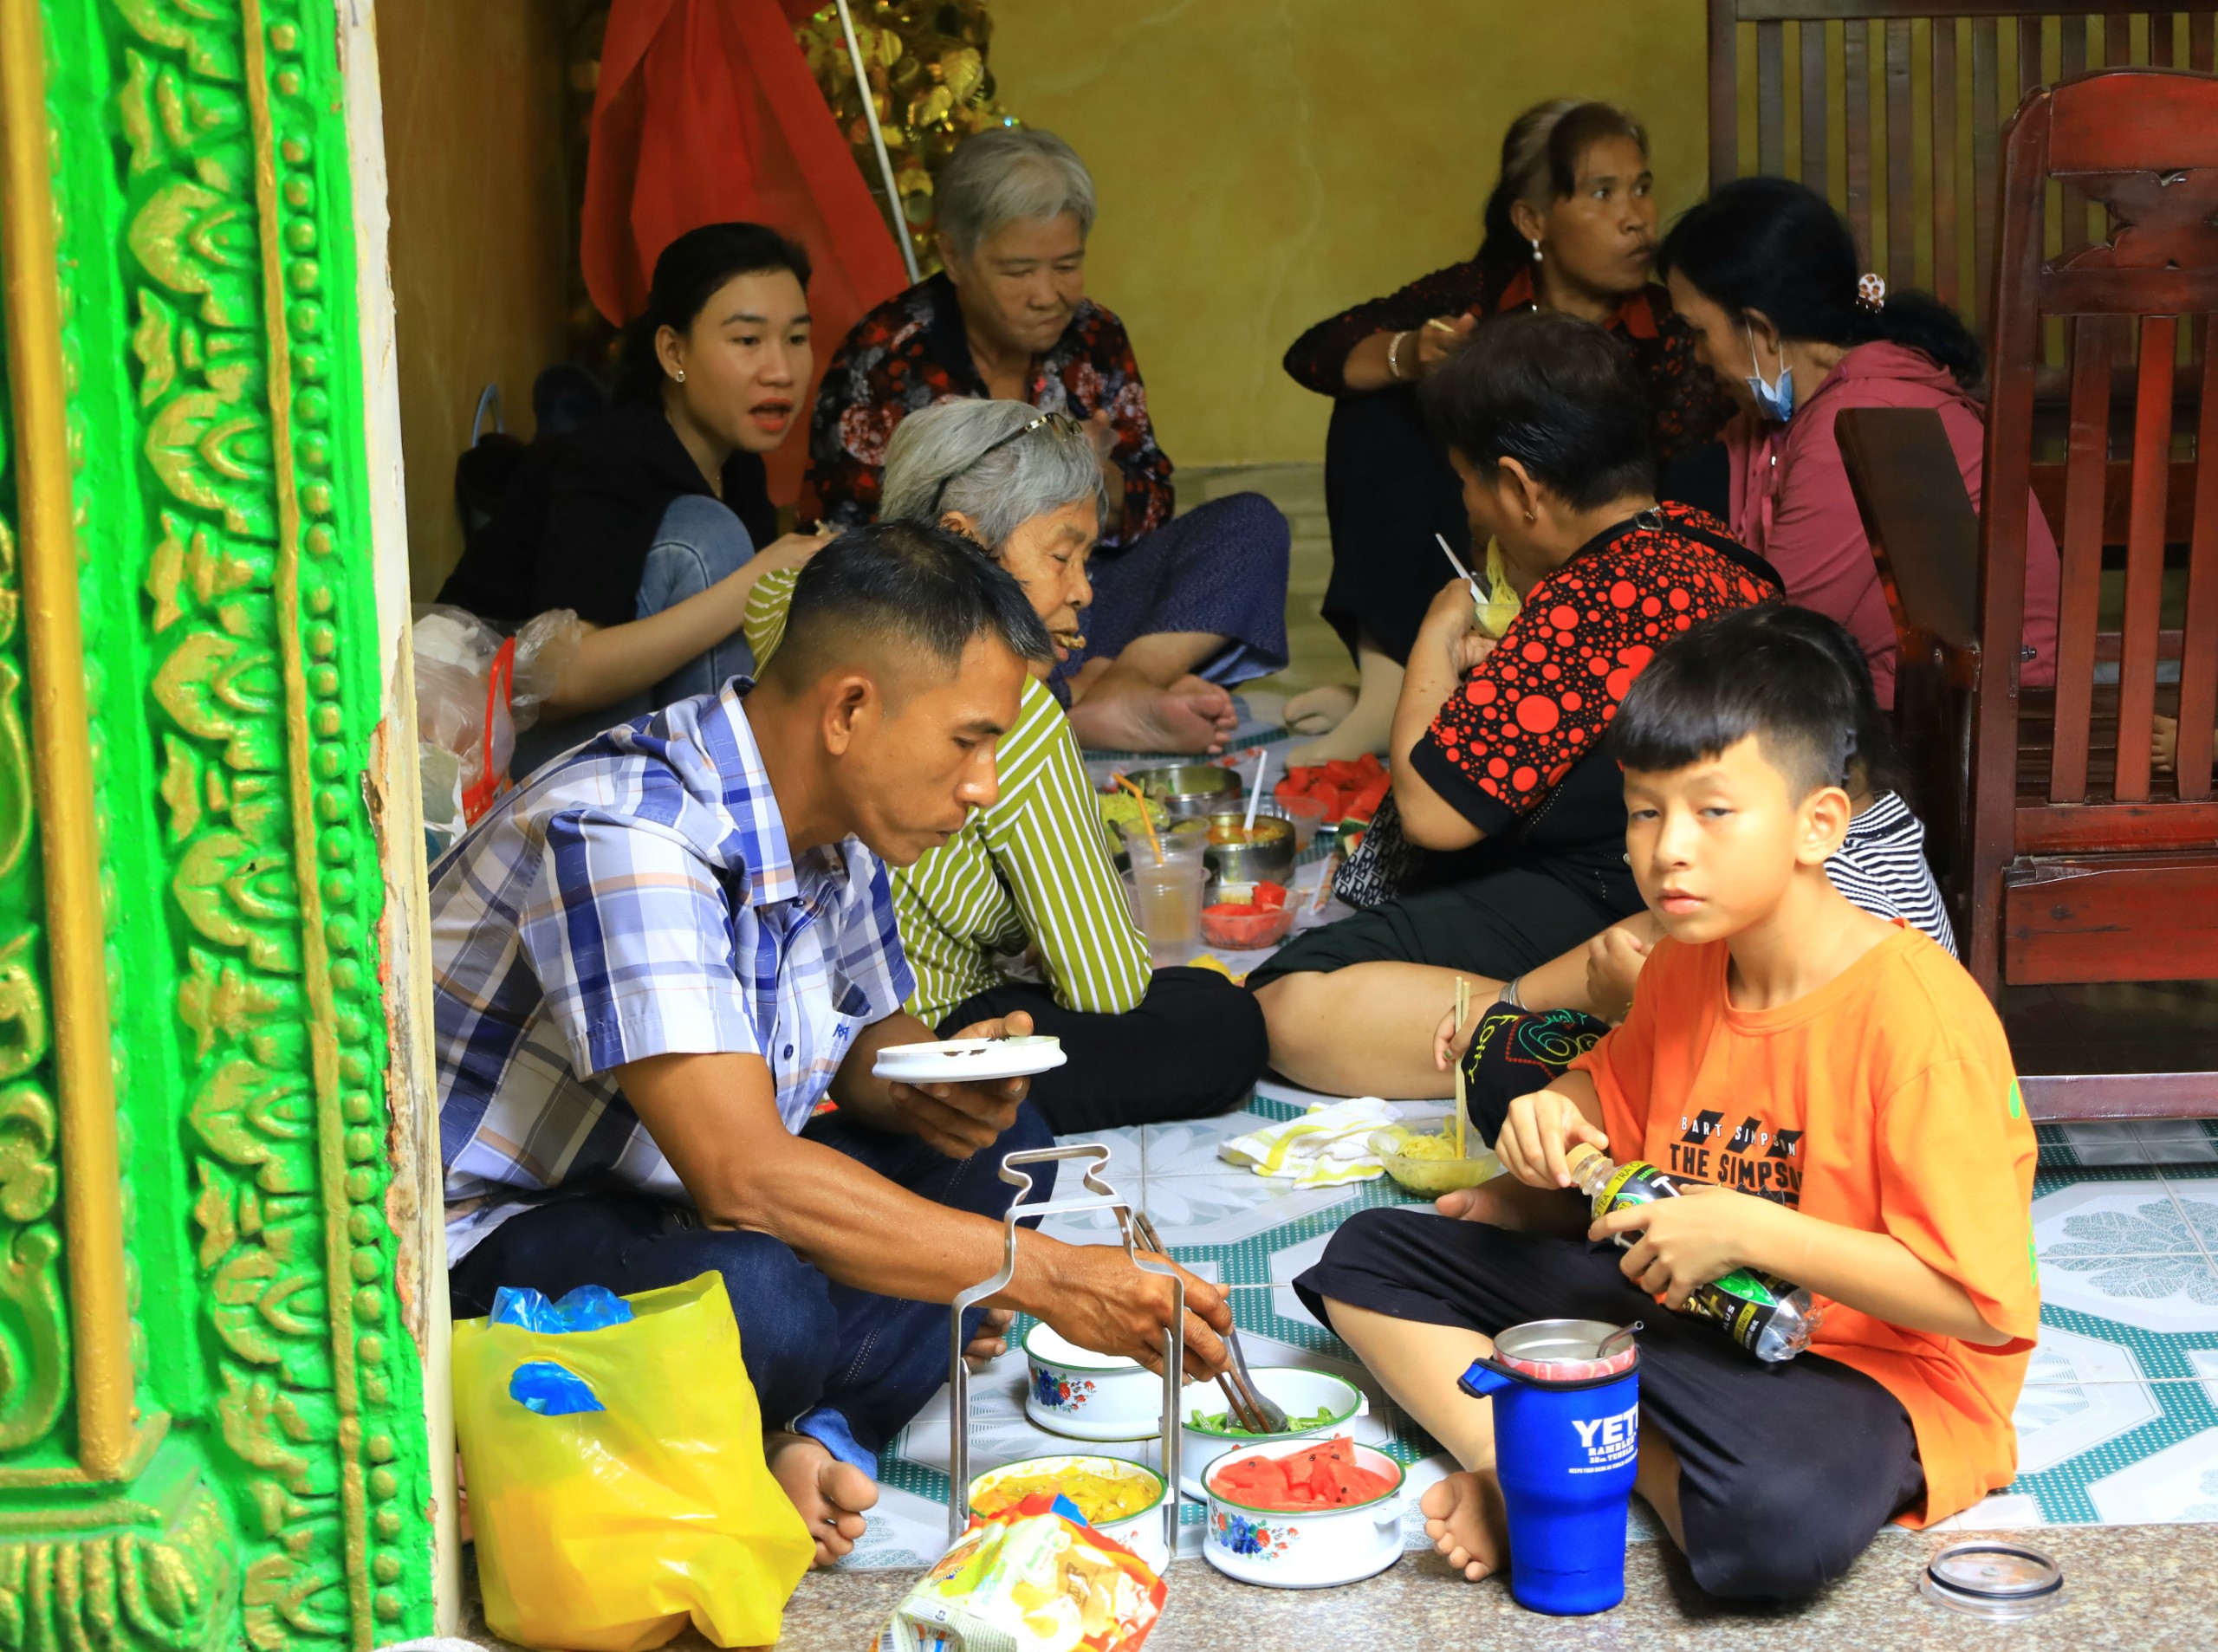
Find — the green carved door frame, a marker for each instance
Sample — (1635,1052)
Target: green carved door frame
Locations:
(222,1290)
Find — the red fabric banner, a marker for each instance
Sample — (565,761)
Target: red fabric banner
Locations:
(706,113)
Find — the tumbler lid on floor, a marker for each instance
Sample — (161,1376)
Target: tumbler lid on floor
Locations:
(1991,1579)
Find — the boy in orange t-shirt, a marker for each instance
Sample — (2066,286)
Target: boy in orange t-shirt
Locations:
(1839,1091)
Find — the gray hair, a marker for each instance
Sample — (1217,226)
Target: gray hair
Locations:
(940,453)
(1007,174)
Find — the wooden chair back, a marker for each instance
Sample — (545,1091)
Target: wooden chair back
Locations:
(2079,799)
(1894,110)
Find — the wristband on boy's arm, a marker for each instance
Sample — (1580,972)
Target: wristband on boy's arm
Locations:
(1508,994)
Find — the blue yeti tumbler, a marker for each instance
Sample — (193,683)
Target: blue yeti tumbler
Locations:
(1567,1430)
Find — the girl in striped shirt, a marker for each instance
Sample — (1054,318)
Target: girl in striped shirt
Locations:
(1022,909)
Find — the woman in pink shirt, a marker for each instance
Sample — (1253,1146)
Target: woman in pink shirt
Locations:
(1765,272)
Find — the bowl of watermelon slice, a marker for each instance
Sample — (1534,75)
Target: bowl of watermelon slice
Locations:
(1347,793)
(1304,1514)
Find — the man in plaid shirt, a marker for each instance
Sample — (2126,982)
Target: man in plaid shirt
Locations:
(655,959)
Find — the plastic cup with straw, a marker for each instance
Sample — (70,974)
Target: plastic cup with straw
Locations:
(1140,797)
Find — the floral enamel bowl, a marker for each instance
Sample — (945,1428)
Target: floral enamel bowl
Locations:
(1141,1531)
(1298,1393)
(1081,1395)
(1303,1548)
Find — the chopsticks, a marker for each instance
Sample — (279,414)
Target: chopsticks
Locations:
(1246,1409)
(1463,1013)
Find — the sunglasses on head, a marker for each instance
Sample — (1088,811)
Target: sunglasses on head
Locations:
(1062,422)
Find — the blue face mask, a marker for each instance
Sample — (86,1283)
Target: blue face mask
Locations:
(1773,401)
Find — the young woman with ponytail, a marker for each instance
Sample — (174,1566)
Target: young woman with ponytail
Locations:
(1765,273)
(1570,226)
(653,520)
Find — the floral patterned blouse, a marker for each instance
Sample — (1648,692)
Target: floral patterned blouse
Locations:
(1690,405)
(912,352)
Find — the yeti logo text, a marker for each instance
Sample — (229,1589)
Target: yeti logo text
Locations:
(1611,1438)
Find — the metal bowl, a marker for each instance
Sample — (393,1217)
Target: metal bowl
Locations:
(1188,790)
(1267,856)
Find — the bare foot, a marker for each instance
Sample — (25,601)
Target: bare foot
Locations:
(1319,711)
(990,1343)
(2165,744)
(1464,1519)
(1162,720)
(831,1495)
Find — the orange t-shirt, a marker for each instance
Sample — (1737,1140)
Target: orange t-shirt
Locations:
(1884,1101)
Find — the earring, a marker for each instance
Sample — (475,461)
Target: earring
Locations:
(681,375)
(1536,252)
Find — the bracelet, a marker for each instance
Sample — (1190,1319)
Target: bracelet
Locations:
(1508,994)
(1393,349)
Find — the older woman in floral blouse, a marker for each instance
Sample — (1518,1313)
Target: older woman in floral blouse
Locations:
(1185,607)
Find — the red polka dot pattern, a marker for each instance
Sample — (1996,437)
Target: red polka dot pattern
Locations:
(1542,699)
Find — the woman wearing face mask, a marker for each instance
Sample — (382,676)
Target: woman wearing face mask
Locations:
(1765,271)
(651,520)
(1570,226)
(1022,908)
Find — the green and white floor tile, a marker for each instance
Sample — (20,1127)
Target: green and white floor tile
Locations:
(2119,1423)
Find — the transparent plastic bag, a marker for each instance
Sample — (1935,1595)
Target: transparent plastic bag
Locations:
(476,689)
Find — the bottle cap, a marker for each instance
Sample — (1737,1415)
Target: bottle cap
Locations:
(1993,1580)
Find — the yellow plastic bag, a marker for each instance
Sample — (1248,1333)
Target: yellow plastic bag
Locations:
(603,1531)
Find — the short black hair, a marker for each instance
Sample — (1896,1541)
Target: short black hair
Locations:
(1791,677)
(689,272)
(1557,394)
(903,589)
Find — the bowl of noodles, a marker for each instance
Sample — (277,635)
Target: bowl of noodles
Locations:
(1120,1500)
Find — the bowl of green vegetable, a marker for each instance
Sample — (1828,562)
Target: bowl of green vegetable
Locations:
(1315,1403)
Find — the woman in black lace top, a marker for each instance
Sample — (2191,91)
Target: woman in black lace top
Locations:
(1570,226)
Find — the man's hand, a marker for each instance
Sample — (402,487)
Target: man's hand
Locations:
(1685,1242)
(1541,1129)
(1439,339)
(1102,1302)
(960,1119)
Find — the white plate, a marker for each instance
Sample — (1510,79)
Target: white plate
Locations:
(962,1061)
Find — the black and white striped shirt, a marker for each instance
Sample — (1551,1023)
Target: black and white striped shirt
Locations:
(1881,866)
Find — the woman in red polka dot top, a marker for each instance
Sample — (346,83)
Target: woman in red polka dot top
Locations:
(1500,750)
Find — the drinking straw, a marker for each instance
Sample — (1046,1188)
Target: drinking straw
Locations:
(1153,842)
(1256,795)
(1463,573)
(1462,1009)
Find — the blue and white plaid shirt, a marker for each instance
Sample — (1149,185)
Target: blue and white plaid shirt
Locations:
(637,897)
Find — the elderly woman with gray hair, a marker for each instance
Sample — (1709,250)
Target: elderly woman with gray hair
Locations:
(1022,909)
(1184,607)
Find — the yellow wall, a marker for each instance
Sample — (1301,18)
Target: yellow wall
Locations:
(480,240)
(1264,164)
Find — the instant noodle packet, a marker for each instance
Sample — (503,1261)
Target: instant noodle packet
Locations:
(1029,1579)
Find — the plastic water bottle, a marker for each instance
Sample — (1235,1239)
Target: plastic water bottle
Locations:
(1773,1318)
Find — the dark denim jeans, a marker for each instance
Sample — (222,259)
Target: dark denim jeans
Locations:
(844,1364)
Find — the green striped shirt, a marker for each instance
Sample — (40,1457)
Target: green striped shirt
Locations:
(1031,873)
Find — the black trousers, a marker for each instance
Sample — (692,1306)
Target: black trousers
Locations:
(1193,1046)
(1787,1472)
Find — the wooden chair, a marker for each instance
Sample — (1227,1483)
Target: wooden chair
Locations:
(2066,858)
(1894,109)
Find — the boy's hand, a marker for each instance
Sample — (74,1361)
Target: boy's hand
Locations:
(1685,1242)
(1540,1129)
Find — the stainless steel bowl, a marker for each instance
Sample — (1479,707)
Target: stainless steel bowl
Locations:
(1188,790)
(1267,856)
